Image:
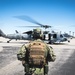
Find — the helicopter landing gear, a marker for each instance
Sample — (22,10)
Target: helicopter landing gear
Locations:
(9,41)
(68,40)
(50,42)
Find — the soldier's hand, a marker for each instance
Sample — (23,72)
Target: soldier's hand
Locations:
(23,61)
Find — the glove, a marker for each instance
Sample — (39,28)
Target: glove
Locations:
(19,57)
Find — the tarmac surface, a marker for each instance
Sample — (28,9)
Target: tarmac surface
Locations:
(63,65)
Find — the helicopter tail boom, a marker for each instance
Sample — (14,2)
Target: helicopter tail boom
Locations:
(2,34)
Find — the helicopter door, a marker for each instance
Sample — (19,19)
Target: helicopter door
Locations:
(54,36)
(49,36)
(43,37)
(46,37)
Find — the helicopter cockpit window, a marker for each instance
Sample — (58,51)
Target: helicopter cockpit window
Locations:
(61,36)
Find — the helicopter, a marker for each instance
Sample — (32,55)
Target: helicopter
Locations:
(51,37)
(32,35)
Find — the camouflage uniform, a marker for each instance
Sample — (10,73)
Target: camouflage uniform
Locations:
(23,57)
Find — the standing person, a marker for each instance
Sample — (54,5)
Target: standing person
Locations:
(35,57)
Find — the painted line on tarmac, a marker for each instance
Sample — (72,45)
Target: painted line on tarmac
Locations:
(1,48)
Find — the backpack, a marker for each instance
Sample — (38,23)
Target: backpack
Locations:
(37,53)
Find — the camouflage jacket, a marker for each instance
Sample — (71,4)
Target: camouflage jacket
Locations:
(21,55)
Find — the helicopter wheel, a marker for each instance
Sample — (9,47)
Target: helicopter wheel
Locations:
(7,41)
(68,41)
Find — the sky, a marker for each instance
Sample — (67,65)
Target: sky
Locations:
(60,14)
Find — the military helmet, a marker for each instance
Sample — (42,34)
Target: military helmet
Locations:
(37,33)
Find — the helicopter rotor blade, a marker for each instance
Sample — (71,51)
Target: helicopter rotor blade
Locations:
(29,26)
(28,32)
(29,19)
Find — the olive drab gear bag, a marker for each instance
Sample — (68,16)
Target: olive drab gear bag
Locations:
(37,53)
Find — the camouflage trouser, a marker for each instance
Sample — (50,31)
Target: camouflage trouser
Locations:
(36,71)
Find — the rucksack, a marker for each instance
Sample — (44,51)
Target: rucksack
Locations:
(37,53)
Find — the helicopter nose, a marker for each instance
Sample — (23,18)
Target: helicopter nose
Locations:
(65,39)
